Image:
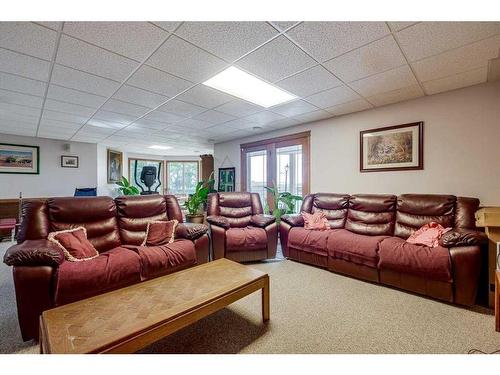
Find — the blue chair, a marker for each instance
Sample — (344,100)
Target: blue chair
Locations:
(85,192)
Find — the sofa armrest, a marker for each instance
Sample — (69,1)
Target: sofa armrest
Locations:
(190,231)
(219,221)
(462,237)
(293,220)
(262,221)
(34,253)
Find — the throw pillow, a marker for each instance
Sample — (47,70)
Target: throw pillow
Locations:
(428,235)
(74,243)
(160,233)
(315,221)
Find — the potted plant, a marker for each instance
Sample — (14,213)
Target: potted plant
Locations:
(282,203)
(198,200)
(126,188)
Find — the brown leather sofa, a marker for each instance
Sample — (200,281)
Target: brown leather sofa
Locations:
(42,277)
(367,241)
(238,228)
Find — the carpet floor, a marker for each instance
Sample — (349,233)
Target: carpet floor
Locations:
(312,311)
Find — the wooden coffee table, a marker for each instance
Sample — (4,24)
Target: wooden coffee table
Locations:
(128,319)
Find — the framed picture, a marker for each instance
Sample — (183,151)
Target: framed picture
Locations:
(19,159)
(226,179)
(393,148)
(68,161)
(115,160)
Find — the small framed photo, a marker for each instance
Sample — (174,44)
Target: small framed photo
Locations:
(68,161)
(19,159)
(226,179)
(393,148)
(115,159)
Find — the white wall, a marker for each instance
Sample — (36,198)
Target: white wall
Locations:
(461,147)
(53,180)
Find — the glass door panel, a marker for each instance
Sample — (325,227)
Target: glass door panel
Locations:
(256,169)
(289,171)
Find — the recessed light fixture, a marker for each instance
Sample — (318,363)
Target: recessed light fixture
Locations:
(158,147)
(238,83)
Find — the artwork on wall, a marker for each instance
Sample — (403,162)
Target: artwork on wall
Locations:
(19,159)
(226,179)
(392,148)
(115,160)
(68,161)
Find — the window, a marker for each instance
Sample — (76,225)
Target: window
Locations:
(182,177)
(135,167)
(282,162)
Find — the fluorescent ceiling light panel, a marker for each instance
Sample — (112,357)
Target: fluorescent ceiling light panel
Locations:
(238,83)
(158,147)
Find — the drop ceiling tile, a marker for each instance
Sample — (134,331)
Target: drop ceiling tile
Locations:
(185,60)
(397,26)
(64,94)
(195,124)
(28,38)
(283,25)
(228,40)
(239,108)
(376,57)
(325,40)
(135,40)
(349,107)
(58,126)
(456,81)
(53,135)
(331,97)
(276,60)
(13,124)
(165,117)
(399,95)
(27,66)
(28,132)
(155,80)
(458,60)
(264,117)
(240,123)
(138,96)
(114,117)
(148,124)
(54,105)
(63,117)
(19,117)
(181,108)
(386,81)
(75,79)
(430,38)
(214,117)
(205,96)
(19,109)
(23,85)
(83,56)
(95,130)
(51,25)
(313,116)
(20,99)
(309,81)
(283,123)
(88,138)
(125,108)
(293,108)
(167,25)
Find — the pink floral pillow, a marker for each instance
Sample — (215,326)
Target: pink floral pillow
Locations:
(315,221)
(428,234)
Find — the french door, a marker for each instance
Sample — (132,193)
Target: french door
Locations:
(282,162)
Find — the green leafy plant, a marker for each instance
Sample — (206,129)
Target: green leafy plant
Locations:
(282,203)
(126,188)
(199,198)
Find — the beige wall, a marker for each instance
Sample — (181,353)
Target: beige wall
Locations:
(461,147)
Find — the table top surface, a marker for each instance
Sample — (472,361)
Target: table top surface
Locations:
(100,321)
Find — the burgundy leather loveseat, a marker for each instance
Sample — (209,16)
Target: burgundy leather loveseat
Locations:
(367,241)
(239,229)
(44,279)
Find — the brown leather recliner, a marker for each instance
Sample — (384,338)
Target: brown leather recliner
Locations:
(43,278)
(239,229)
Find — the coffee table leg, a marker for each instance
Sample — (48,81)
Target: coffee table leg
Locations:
(265,300)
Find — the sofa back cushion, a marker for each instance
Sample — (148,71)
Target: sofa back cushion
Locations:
(371,214)
(465,212)
(35,223)
(415,210)
(96,214)
(134,214)
(238,208)
(333,205)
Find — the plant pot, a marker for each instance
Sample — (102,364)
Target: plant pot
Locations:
(195,219)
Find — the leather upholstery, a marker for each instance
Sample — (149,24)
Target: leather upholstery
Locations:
(34,253)
(293,220)
(34,215)
(333,205)
(371,214)
(463,237)
(190,231)
(234,219)
(464,212)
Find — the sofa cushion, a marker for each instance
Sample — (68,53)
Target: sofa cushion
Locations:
(311,241)
(165,259)
(160,233)
(315,221)
(355,248)
(248,238)
(112,269)
(74,244)
(398,255)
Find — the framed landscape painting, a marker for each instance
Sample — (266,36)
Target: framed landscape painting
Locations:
(115,160)
(392,148)
(226,179)
(19,159)
(69,161)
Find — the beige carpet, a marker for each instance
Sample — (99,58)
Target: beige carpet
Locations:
(312,311)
